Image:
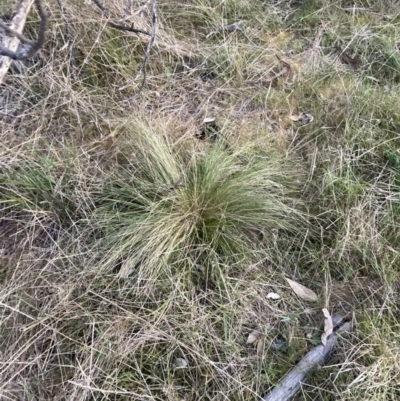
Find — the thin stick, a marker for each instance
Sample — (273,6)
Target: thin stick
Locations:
(14,33)
(352,9)
(117,26)
(142,69)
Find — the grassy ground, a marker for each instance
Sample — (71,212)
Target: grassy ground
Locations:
(138,244)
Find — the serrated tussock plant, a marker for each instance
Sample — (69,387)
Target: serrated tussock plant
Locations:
(165,204)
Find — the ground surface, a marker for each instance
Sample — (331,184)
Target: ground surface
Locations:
(138,244)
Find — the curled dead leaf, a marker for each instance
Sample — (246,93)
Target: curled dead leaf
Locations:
(301,291)
(328,326)
(253,337)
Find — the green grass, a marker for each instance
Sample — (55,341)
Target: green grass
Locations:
(127,241)
(177,204)
(158,205)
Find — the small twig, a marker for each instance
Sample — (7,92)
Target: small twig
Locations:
(128,28)
(138,12)
(34,45)
(68,33)
(102,8)
(142,69)
(117,26)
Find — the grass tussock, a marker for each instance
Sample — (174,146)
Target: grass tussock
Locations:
(166,204)
(153,204)
(138,243)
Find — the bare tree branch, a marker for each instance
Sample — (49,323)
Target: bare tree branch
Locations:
(142,69)
(11,42)
(16,34)
(118,26)
(44,16)
(17,24)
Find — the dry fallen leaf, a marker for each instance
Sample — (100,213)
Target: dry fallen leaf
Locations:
(302,291)
(328,326)
(302,118)
(180,363)
(260,345)
(273,295)
(296,117)
(253,337)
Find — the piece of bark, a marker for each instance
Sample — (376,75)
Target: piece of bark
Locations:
(291,383)
(12,42)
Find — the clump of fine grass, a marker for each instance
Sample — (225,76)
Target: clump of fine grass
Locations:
(167,204)
(157,205)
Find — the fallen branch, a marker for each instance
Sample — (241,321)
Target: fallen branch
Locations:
(15,34)
(34,46)
(11,42)
(9,45)
(291,383)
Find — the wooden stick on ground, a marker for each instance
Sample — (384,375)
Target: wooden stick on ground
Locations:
(291,383)
(13,36)
(11,42)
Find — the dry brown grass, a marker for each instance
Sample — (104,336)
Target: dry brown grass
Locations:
(73,329)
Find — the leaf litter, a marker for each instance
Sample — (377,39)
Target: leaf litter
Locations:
(328,326)
(301,291)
